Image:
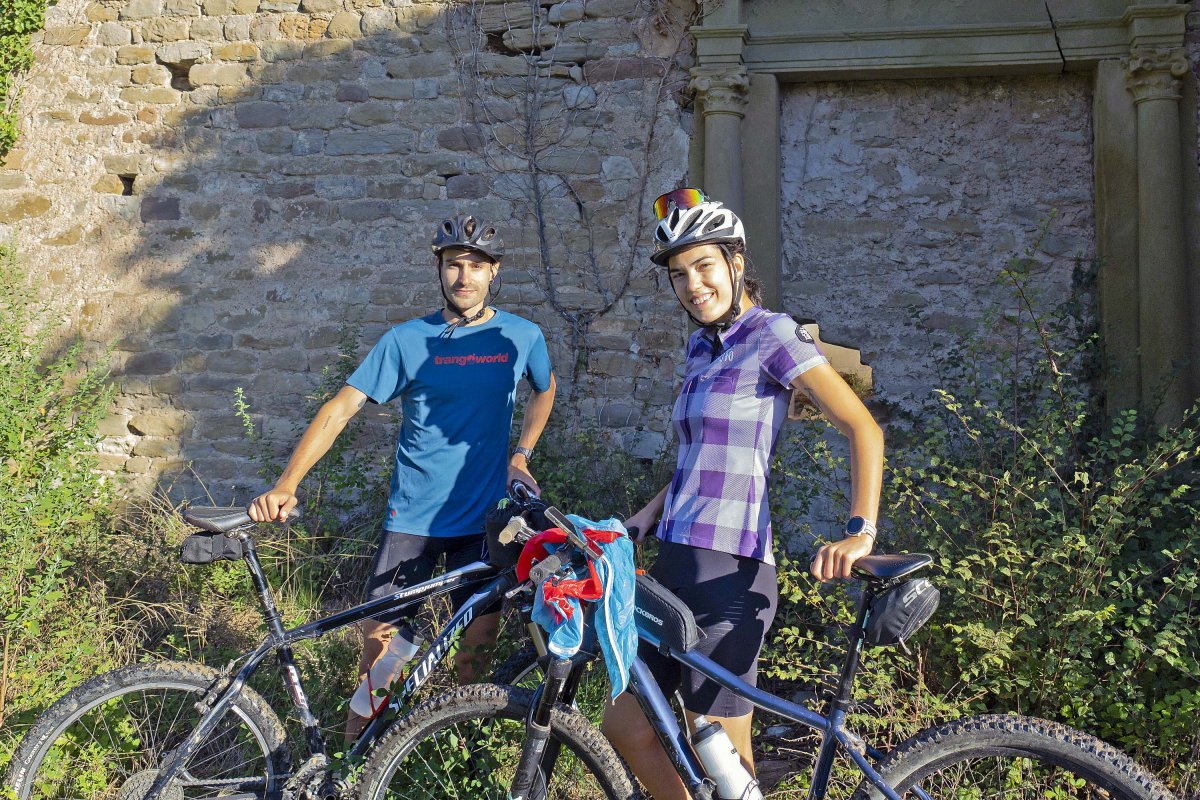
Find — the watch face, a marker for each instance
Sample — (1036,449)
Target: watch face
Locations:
(855,525)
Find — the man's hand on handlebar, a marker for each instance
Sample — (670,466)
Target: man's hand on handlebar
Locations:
(516,473)
(272,506)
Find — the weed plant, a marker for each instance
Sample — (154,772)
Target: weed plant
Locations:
(1064,543)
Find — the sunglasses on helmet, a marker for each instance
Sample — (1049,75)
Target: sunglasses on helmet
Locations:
(680,198)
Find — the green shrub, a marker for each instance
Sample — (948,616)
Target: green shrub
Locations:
(1064,546)
(53,508)
(18,19)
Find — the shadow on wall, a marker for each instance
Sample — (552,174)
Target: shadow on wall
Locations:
(249,177)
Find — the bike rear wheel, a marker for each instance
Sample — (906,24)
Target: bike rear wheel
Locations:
(1012,757)
(466,744)
(107,737)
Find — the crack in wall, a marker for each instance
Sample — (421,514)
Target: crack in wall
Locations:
(1061,56)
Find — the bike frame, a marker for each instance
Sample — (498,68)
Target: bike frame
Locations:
(280,641)
(834,736)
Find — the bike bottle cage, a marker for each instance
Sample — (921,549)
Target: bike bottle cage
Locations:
(663,616)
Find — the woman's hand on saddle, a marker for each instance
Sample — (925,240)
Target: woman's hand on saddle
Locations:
(835,560)
(272,506)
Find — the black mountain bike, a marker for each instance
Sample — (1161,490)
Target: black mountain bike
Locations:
(491,741)
(185,730)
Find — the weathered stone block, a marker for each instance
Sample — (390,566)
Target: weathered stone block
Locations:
(217,74)
(620,69)
(152,74)
(351,93)
(67,35)
(23,205)
(236,51)
(278,5)
(428,65)
(103,118)
(219,8)
(390,89)
(345,25)
(527,40)
(372,113)
(237,28)
(207,29)
(328,48)
(182,52)
(579,162)
(141,9)
(322,116)
(150,94)
(376,21)
(566,12)
(11,180)
(167,29)
(364,210)
(159,209)
(281,51)
(181,8)
(265,28)
(322,6)
(464,138)
(135,54)
(579,97)
(98,12)
(114,34)
(260,115)
(159,423)
(503,16)
(155,448)
(341,143)
(467,186)
(614,8)
(151,363)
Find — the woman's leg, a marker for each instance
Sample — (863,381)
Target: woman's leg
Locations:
(626,727)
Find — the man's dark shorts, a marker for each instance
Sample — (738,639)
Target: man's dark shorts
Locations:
(404,559)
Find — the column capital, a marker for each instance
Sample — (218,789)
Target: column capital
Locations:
(722,90)
(1155,73)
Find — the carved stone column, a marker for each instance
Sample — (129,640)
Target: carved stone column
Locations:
(722,95)
(1153,76)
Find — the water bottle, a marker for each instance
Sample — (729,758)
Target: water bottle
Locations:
(722,762)
(401,649)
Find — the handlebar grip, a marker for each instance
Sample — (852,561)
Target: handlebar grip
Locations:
(521,491)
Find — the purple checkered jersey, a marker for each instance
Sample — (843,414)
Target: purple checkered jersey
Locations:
(727,419)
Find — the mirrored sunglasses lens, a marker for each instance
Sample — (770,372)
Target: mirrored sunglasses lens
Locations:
(680,198)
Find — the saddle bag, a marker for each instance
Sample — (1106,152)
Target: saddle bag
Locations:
(207,548)
(900,611)
(661,614)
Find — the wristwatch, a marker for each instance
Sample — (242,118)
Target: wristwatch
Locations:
(860,525)
(524,451)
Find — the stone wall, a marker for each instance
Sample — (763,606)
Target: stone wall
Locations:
(222,187)
(903,200)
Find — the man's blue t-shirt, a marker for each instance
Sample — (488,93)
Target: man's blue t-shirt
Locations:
(457,394)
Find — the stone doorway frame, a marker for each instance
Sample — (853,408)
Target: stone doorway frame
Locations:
(1144,147)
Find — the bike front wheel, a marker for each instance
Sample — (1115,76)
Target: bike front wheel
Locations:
(466,744)
(1011,757)
(107,737)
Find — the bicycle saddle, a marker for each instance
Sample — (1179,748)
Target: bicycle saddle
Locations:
(221,519)
(886,568)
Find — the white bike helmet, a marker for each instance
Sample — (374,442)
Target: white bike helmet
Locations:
(708,222)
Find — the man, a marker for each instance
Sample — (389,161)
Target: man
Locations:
(455,373)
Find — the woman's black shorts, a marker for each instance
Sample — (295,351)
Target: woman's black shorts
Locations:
(405,559)
(734,599)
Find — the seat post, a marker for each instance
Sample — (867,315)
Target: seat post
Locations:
(842,698)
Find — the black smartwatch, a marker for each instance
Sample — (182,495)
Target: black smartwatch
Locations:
(857,525)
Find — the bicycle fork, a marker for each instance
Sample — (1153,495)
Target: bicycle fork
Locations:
(525,781)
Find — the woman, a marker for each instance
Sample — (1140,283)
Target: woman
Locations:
(742,366)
